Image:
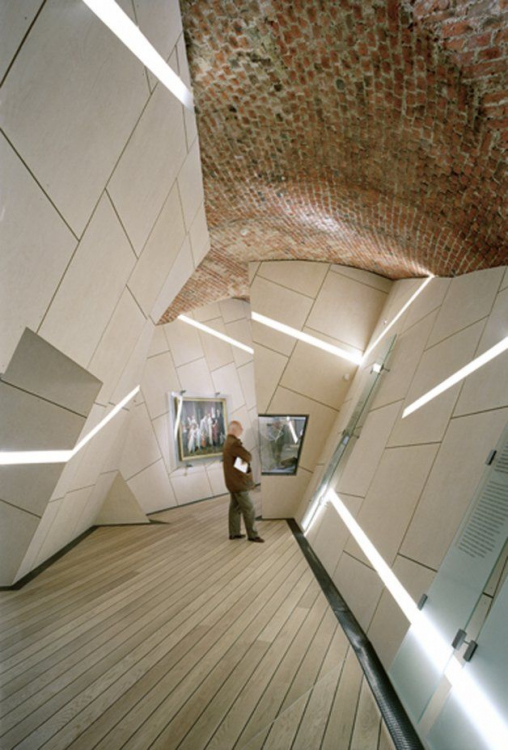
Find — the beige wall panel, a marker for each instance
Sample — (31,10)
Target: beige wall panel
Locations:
(30,423)
(95,500)
(246,375)
(159,379)
(218,353)
(182,269)
(160,22)
(234,309)
(301,276)
(404,360)
(206,313)
(149,165)
(195,378)
(240,330)
(116,345)
(38,368)
(184,342)
(191,130)
(368,449)
(469,298)
(281,495)
(29,486)
(216,479)
(282,305)
(34,253)
(29,560)
(90,288)
(120,505)
(159,253)
(253,269)
(321,419)
(346,310)
(96,453)
(158,344)
(455,475)
(199,237)
(16,531)
(318,375)
(389,625)
(364,277)
(133,372)
(141,447)
(226,381)
(360,587)
(153,489)
(190,184)
(487,388)
(401,292)
(161,427)
(15,20)
(331,533)
(268,368)
(428,424)
(504,283)
(79,95)
(430,299)
(63,528)
(242,415)
(191,484)
(307,498)
(388,508)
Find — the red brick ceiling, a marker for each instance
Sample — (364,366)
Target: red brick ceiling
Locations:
(371,133)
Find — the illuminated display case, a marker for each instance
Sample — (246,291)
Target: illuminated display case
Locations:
(280,440)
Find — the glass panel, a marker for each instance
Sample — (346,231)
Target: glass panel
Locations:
(457,588)
(280,442)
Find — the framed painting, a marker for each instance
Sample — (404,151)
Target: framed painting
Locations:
(200,426)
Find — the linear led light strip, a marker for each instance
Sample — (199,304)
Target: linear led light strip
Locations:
(127,31)
(215,333)
(475,364)
(356,358)
(476,704)
(10,458)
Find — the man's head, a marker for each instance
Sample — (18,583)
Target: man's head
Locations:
(235,428)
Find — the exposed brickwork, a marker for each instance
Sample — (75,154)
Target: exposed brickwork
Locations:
(366,132)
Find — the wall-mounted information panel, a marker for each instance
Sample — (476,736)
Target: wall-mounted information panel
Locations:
(454,594)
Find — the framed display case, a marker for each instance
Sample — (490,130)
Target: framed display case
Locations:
(280,441)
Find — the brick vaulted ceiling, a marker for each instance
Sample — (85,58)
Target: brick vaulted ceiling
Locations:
(371,133)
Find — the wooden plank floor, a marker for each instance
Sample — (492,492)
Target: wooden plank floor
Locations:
(172,636)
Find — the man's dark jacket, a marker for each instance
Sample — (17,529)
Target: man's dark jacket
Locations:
(236,480)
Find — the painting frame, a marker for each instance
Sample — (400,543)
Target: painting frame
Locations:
(198,426)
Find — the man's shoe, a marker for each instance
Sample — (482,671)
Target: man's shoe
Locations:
(256,539)
(237,536)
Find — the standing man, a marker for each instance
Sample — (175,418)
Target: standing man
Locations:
(239,483)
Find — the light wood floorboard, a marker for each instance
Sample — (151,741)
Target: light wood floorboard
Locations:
(172,636)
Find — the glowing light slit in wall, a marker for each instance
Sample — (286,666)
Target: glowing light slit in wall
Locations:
(489,723)
(11,458)
(292,430)
(126,30)
(354,357)
(178,416)
(399,314)
(215,333)
(474,365)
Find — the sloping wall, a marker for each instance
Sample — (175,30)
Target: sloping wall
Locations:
(103,222)
(181,357)
(336,304)
(408,482)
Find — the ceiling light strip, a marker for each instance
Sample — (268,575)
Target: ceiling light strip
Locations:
(399,314)
(356,358)
(13,458)
(127,31)
(215,333)
(474,365)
